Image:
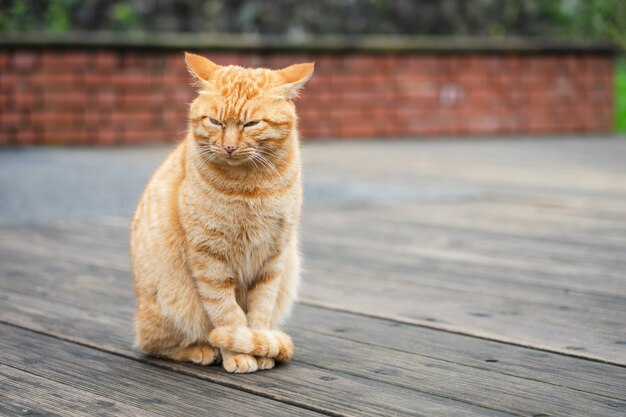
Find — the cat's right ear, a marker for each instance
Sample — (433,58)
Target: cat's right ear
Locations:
(200,67)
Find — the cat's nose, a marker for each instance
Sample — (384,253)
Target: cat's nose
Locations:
(230,149)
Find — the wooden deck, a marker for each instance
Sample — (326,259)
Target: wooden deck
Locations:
(442,279)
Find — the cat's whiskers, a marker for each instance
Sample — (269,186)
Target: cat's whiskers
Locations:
(253,160)
(267,163)
(207,154)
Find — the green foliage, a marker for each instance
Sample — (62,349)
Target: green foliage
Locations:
(124,17)
(17,16)
(29,15)
(598,19)
(57,15)
(620,95)
(568,19)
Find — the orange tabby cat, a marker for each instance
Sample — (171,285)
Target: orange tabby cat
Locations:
(214,242)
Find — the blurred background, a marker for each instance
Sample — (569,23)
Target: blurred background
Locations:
(111,72)
(99,73)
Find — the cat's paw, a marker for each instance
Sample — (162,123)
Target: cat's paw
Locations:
(265,363)
(203,354)
(240,363)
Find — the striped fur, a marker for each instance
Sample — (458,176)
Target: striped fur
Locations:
(214,237)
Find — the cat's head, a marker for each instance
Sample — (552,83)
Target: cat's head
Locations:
(244,114)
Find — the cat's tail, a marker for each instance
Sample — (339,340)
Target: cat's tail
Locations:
(264,343)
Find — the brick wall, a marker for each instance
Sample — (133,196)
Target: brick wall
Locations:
(117,96)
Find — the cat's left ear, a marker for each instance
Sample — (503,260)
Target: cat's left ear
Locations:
(293,79)
(200,67)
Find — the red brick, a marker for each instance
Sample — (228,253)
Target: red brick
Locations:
(355,129)
(109,137)
(70,137)
(170,80)
(424,65)
(65,100)
(6,99)
(9,79)
(152,99)
(105,61)
(56,62)
(5,59)
(143,136)
(27,137)
(7,137)
(54,121)
(418,87)
(106,98)
(10,119)
(175,62)
(27,100)
(174,118)
(144,95)
(80,60)
(95,79)
(134,80)
(95,117)
(361,64)
(25,60)
(59,81)
(140,118)
(283,61)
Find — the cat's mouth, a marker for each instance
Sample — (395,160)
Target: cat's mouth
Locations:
(236,158)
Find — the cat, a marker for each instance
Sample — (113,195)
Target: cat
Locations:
(214,243)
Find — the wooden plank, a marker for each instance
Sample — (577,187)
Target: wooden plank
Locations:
(497,167)
(81,286)
(128,383)
(450,245)
(472,247)
(438,376)
(449,299)
(495,319)
(451,275)
(23,393)
(478,386)
(580,375)
(445,243)
(30,242)
(83,283)
(322,390)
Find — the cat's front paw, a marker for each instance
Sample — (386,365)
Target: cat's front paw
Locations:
(265,363)
(239,363)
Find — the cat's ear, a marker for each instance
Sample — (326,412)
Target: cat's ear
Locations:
(200,67)
(293,79)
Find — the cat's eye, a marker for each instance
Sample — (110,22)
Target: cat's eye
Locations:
(251,123)
(215,122)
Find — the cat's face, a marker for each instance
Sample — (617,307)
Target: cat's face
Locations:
(241,114)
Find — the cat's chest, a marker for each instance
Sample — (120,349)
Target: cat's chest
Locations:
(247,234)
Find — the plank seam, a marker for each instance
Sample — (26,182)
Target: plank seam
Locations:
(397,319)
(335,336)
(163,365)
(72,387)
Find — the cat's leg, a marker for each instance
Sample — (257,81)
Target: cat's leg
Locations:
(157,336)
(261,339)
(261,299)
(270,292)
(218,297)
(288,290)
